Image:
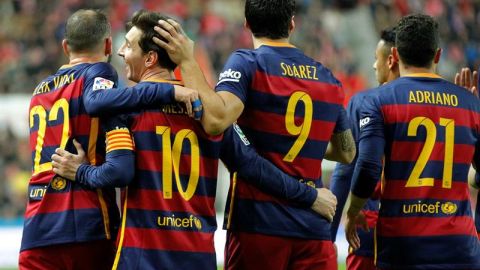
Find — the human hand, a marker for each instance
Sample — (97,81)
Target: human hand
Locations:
(178,45)
(325,204)
(467,79)
(351,232)
(191,99)
(65,163)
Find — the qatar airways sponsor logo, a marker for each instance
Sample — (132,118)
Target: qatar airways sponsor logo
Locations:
(229,75)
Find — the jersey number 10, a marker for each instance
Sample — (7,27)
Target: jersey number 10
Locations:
(171,161)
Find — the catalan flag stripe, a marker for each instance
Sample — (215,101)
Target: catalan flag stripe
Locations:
(119,139)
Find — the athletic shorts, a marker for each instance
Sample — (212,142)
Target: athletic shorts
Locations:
(98,255)
(250,251)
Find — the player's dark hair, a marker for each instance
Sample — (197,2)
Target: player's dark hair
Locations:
(86,29)
(417,40)
(269,18)
(388,35)
(145,21)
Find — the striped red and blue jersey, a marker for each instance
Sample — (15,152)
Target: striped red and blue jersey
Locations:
(60,211)
(168,209)
(341,181)
(430,128)
(293,104)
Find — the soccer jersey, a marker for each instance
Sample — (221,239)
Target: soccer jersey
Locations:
(292,105)
(430,129)
(61,211)
(341,182)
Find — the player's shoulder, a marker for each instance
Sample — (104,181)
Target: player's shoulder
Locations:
(324,74)
(98,68)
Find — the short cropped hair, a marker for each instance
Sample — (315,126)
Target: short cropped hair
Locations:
(146,21)
(86,29)
(269,18)
(417,40)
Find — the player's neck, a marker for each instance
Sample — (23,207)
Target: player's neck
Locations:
(408,70)
(80,58)
(157,74)
(257,42)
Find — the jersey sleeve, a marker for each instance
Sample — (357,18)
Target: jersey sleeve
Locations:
(368,168)
(102,95)
(119,167)
(343,122)
(342,175)
(238,155)
(237,74)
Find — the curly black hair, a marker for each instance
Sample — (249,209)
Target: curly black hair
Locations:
(417,40)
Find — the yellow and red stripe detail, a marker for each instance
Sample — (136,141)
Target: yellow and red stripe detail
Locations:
(119,139)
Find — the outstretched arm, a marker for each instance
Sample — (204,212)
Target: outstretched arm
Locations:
(239,156)
(101,95)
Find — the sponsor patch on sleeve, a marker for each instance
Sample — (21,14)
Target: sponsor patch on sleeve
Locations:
(364,121)
(229,75)
(240,134)
(101,83)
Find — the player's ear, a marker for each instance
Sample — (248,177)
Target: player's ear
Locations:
(245,23)
(438,53)
(151,59)
(395,55)
(292,25)
(66,51)
(391,61)
(108,46)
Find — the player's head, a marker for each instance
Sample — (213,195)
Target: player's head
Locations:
(87,32)
(270,18)
(417,41)
(139,51)
(385,66)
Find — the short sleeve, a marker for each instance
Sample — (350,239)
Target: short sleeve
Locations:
(343,123)
(237,74)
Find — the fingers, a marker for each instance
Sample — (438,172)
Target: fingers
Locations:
(352,235)
(162,32)
(162,43)
(169,28)
(188,104)
(79,148)
(475,91)
(465,77)
(176,25)
(475,83)
(61,152)
(457,79)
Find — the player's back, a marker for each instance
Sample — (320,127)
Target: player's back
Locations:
(431,131)
(169,221)
(61,211)
(291,109)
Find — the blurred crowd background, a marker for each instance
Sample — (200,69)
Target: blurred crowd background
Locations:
(342,34)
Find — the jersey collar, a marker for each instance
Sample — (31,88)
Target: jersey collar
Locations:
(175,82)
(424,75)
(277,44)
